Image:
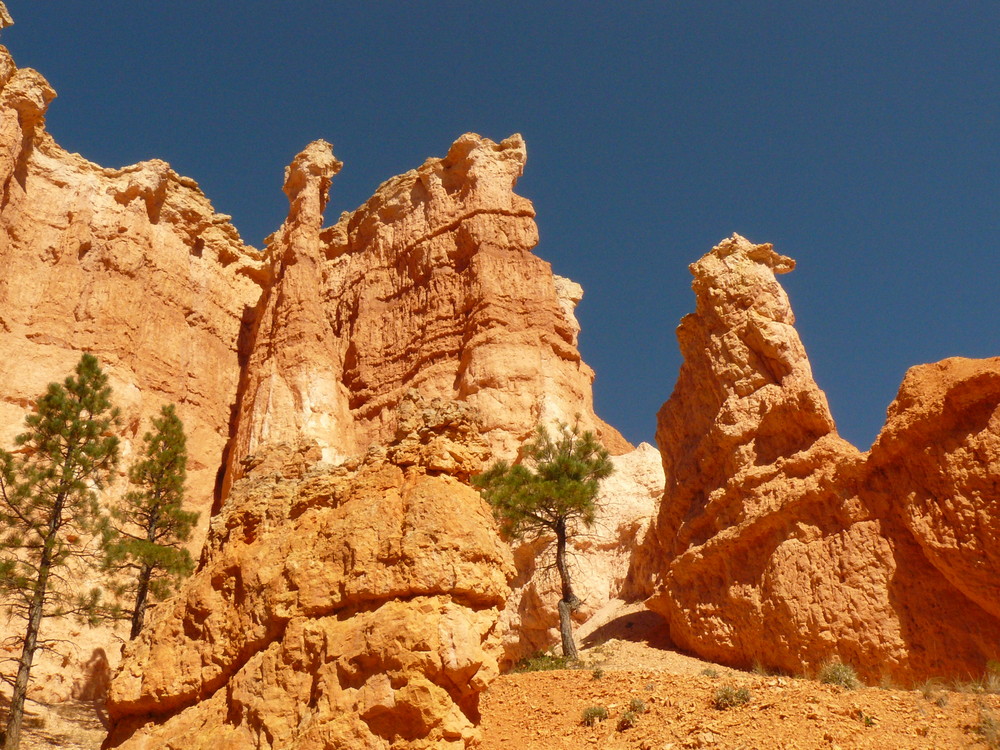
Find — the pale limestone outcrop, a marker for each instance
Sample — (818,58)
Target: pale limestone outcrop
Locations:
(134,266)
(352,606)
(779,542)
(599,557)
(431,285)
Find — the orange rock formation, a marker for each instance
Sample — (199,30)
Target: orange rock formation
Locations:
(136,267)
(429,285)
(779,542)
(352,606)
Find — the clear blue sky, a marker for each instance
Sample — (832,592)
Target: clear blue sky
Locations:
(861,138)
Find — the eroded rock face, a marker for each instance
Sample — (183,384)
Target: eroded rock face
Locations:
(429,285)
(779,542)
(134,266)
(351,607)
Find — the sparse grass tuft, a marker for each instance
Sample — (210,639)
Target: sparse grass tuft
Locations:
(638,706)
(760,668)
(597,673)
(542,662)
(933,691)
(593,715)
(628,720)
(710,672)
(988,729)
(836,673)
(867,719)
(728,696)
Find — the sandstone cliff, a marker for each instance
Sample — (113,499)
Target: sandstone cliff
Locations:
(430,285)
(779,542)
(134,266)
(336,607)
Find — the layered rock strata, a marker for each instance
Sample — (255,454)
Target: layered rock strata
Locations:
(430,285)
(778,542)
(135,266)
(336,607)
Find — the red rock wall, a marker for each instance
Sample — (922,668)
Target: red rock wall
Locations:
(431,285)
(354,606)
(134,266)
(781,543)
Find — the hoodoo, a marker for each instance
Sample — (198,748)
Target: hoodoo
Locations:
(780,543)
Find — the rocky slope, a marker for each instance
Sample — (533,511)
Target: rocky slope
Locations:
(352,606)
(778,542)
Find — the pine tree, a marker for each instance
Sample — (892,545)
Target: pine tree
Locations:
(146,532)
(552,491)
(49,510)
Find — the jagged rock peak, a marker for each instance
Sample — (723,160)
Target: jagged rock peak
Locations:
(312,168)
(431,284)
(779,542)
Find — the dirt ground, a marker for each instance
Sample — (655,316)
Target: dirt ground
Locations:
(73,725)
(628,660)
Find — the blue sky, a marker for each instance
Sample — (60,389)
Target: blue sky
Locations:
(861,138)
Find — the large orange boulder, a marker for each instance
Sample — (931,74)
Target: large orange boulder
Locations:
(778,542)
(352,607)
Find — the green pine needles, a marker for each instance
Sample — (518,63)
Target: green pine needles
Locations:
(49,510)
(143,540)
(552,491)
(53,530)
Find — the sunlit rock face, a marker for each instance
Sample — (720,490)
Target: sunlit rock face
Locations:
(431,285)
(777,541)
(349,606)
(134,266)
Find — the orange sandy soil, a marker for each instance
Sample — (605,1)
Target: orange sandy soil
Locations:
(73,725)
(543,710)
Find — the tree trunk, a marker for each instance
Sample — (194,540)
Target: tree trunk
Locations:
(12,738)
(139,611)
(569,602)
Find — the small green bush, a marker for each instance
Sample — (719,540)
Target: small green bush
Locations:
(542,662)
(628,720)
(594,714)
(836,673)
(710,672)
(729,696)
(867,719)
(638,706)
(597,673)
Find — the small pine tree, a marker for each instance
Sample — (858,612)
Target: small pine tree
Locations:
(49,510)
(146,532)
(552,491)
